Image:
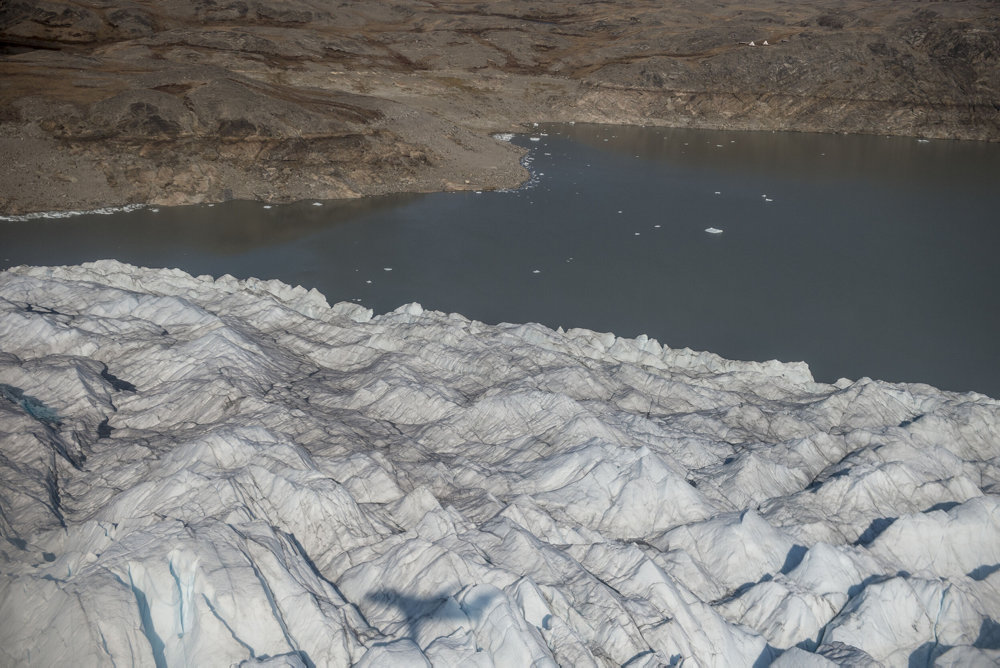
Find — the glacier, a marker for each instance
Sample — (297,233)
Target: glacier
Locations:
(223,472)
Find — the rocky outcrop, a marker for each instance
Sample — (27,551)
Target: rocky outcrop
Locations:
(198,100)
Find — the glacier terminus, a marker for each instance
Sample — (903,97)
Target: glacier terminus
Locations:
(218,472)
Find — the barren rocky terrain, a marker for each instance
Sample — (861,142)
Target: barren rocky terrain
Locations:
(123,101)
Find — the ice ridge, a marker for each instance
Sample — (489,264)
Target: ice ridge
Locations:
(201,471)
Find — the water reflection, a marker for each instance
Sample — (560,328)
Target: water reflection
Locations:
(158,235)
(792,155)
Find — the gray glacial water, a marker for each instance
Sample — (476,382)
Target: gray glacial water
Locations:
(863,256)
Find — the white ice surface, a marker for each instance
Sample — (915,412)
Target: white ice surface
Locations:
(220,472)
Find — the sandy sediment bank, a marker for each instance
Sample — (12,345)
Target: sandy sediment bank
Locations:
(195,101)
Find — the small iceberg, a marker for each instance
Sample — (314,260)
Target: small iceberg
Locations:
(713,230)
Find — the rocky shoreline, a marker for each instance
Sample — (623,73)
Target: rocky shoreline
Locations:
(190,101)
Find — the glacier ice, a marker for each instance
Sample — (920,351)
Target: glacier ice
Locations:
(201,471)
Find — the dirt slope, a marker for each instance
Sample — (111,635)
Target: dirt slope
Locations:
(180,101)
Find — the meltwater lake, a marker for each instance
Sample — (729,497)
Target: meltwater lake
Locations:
(863,256)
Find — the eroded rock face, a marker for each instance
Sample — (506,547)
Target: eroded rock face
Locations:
(359,98)
(223,472)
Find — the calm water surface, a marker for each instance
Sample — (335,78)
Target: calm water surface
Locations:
(863,256)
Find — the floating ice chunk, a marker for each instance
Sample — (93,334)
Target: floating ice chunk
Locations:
(713,230)
(535,138)
(718,192)
(768,199)
(386,268)
(536,271)
(317,204)
(267,206)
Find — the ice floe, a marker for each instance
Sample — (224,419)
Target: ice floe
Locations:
(201,471)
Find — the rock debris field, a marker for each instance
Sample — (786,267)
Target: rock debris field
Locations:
(169,102)
(215,472)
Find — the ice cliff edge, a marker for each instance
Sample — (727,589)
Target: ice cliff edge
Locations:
(222,472)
